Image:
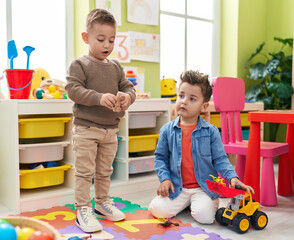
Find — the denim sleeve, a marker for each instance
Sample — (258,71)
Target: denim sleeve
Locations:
(161,161)
(219,157)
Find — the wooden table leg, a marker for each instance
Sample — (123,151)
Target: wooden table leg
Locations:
(252,169)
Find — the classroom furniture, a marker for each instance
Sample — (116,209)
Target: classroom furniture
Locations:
(286,164)
(229,99)
(128,177)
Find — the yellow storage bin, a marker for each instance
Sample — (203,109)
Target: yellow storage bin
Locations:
(143,142)
(37,178)
(42,127)
(216,121)
(244,120)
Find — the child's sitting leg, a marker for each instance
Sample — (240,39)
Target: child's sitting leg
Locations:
(203,208)
(164,207)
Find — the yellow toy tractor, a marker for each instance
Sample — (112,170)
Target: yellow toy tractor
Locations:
(241,212)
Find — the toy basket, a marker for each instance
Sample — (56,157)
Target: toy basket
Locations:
(33,223)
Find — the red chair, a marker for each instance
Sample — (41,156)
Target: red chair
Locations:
(229,100)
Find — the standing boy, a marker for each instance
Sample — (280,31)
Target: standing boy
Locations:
(188,151)
(93,83)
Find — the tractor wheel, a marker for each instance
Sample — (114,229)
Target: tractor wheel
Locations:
(259,220)
(241,223)
(219,216)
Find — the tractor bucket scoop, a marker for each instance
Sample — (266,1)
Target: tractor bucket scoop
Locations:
(223,190)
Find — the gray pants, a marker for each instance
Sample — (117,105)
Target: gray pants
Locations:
(94,150)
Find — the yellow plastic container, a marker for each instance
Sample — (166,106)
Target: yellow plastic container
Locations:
(37,178)
(216,121)
(244,120)
(142,143)
(42,127)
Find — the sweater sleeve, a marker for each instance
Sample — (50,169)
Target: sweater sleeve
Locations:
(75,86)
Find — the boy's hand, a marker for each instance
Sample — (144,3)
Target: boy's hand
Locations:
(125,101)
(108,100)
(164,187)
(235,181)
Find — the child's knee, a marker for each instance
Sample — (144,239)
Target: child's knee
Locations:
(158,209)
(203,217)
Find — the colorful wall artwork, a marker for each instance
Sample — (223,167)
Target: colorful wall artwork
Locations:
(121,50)
(145,46)
(113,6)
(143,11)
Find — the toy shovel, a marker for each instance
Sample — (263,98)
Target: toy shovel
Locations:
(12,52)
(28,50)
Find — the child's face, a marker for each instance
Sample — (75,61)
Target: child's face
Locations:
(101,40)
(190,103)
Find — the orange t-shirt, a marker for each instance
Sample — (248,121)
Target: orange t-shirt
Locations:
(187,168)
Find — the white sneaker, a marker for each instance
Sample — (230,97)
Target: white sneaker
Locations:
(87,221)
(109,211)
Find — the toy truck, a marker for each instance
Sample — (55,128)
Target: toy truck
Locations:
(241,212)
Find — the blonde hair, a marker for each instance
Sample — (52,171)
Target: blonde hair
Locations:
(99,16)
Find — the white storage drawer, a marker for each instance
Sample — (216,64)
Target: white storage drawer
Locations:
(42,152)
(141,164)
(143,119)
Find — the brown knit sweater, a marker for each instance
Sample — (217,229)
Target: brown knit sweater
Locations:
(87,80)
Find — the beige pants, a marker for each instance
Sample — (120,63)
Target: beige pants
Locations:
(203,209)
(94,150)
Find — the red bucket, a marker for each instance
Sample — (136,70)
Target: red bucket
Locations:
(19,82)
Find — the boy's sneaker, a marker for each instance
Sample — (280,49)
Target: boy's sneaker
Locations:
(87,221)
(109,211)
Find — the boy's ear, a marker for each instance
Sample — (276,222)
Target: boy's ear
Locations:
(205,105)
(85,37)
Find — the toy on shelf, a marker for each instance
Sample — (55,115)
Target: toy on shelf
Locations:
(28,50)
(143,95)
(50,89)
(60,87)
(131,77)
(40,75)
(168,88)
(39,93)
(241,211)
(53,92)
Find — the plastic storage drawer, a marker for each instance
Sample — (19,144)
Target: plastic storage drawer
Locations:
(42,127)
(37,178)
(143,143)
(143,119)
(141,164)
(41,152)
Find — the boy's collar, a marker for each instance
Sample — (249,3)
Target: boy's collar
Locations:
(201,123)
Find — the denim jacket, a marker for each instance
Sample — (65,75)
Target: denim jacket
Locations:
(208,153)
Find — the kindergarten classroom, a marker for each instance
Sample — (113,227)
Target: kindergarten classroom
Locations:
(156,41)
